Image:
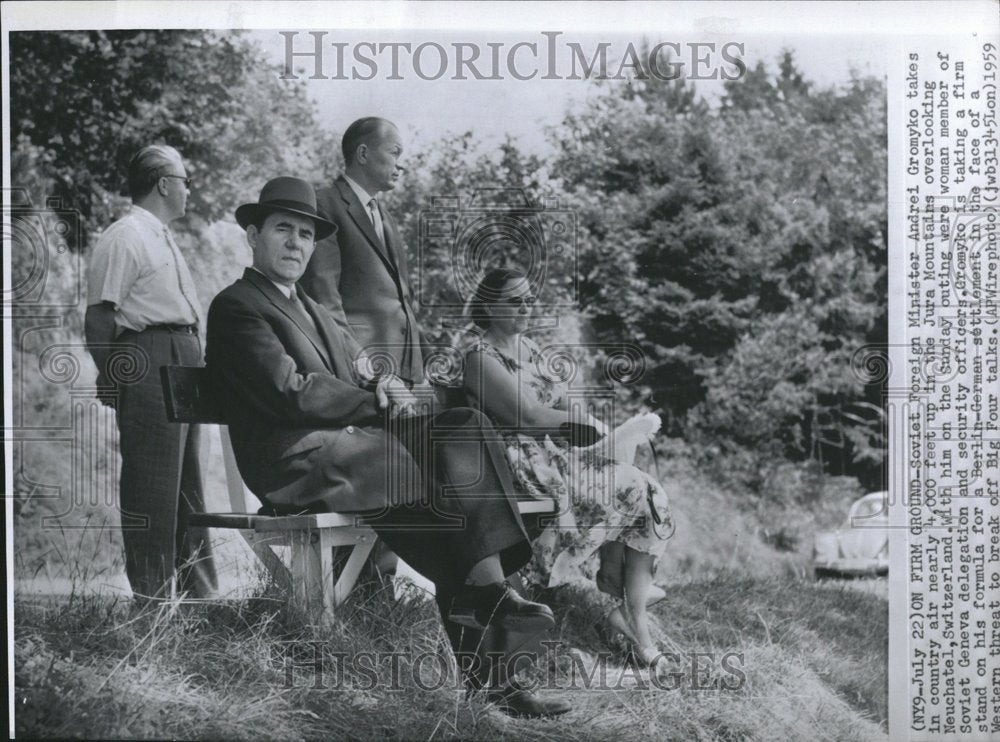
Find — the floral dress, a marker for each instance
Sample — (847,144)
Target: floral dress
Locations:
(599,499)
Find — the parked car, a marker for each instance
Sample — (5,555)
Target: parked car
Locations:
(860,547)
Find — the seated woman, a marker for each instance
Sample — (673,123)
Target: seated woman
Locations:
(606,534)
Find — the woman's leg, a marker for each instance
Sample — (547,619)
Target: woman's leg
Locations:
(610,577)
(638,580)
(611,574)
(610,580)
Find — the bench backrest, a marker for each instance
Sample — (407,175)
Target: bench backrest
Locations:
(188,395)
(189,398)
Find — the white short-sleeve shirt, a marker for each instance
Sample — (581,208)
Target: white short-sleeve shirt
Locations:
(137,266)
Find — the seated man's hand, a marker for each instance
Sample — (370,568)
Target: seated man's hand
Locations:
(393,394)
(363,367)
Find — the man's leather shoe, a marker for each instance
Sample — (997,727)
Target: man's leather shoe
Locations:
(522,703)
(499,605)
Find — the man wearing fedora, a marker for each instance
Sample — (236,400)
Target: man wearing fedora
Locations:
(311,435)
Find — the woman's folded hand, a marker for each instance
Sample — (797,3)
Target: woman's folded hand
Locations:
(601,428)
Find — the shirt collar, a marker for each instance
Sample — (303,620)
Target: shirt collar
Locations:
(147,216)
(286,290)
(363,196)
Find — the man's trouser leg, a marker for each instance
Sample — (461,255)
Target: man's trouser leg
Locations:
(160,472)
(471,480)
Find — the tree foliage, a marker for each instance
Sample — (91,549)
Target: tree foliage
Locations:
(90,99)
(740,244)
(744,247)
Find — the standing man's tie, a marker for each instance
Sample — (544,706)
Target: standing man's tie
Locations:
(376,219)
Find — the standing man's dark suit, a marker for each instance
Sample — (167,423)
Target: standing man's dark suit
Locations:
(361,275)
(364,282)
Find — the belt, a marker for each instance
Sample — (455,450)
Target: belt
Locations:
(189,329)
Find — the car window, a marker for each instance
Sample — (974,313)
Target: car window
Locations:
(868,507)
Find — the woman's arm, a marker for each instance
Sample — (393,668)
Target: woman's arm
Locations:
(500,396)
(561,400)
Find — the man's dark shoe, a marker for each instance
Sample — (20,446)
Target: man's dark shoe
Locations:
(522,703)
(499,605)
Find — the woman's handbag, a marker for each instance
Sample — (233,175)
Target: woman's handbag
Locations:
(663,524)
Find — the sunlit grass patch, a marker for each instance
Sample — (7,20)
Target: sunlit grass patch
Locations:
(100,667)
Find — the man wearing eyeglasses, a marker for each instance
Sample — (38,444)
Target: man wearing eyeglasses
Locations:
(143,313)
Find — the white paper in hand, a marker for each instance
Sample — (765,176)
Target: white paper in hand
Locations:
(621,443)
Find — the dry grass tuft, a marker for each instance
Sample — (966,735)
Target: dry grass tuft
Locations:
(805,662)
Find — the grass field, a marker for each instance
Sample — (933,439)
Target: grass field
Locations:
(760,652)
(804,661)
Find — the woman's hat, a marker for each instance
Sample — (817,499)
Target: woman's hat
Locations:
(286,194)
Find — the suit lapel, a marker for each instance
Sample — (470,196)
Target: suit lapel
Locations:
(332,336)
(359,214)
(285,306)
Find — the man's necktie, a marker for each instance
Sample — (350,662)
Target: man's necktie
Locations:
(294,297)
(376,219)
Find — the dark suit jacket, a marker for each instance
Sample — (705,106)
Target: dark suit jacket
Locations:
(306,435)
(364,283)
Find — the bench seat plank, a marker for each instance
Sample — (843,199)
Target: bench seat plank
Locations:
(308,580)
(536,506)
(245,521)
(310,521)
(268,523)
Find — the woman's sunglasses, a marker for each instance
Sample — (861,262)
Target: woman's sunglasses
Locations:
(527,300)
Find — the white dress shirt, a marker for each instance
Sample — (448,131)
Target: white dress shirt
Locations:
(137,266)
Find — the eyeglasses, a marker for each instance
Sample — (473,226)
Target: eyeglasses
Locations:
(187,180)
(528,300)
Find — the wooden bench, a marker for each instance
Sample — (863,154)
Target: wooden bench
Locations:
(309,579)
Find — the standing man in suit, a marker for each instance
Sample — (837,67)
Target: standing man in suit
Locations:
(360,273)
(310,435)
(142,305)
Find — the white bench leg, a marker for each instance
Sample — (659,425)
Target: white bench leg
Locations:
(314,591)
(312,571)
(351,570)
(262,544)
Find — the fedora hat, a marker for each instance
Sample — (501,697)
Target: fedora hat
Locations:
(286,194)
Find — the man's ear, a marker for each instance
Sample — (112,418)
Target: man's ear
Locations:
(161,186)
(361,153)
(252,234)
